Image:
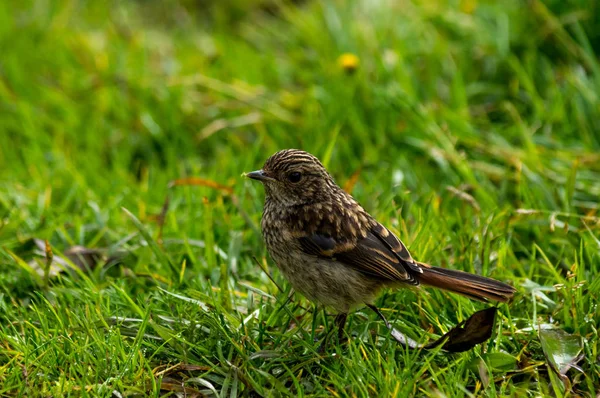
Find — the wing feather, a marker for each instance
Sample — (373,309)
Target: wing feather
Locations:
(379,254)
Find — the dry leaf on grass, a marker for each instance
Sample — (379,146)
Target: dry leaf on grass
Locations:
(464,336)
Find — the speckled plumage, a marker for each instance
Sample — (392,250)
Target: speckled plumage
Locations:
(320,279)
(332,251)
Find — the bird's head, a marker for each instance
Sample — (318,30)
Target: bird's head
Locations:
(293,177)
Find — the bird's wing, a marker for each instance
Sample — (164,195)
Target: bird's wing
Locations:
(380,253)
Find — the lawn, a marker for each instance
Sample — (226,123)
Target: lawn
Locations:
(470,128)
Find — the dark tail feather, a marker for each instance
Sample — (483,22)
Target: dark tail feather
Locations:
(470,285)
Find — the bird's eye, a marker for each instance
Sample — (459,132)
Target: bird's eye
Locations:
(294,176)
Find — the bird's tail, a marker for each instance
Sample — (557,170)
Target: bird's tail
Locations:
(470,285)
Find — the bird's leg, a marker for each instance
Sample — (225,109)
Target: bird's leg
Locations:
(340,322)
(399,337)
(387,324)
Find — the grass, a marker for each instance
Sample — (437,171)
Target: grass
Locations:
(470,128)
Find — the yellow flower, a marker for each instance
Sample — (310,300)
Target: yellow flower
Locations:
(348,62)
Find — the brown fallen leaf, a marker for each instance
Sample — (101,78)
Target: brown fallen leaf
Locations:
(464,336)
(83,257)
(49,264)
(476,330)
(174,386)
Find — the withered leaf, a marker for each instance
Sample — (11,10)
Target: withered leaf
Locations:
(477,329)
(84,258)
(464,336)
(175,386)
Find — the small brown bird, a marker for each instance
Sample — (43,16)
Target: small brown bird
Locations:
(333,252)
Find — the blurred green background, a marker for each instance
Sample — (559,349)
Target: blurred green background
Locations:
(471,128)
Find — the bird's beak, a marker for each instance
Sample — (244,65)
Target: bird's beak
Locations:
(258,175)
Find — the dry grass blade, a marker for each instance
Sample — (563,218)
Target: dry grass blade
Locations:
(349,185)
(165,370)
(220,124)
(160,219)
(203,182)
(465,197)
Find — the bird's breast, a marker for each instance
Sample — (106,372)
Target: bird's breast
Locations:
(326,281)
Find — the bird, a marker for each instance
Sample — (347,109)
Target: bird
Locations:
(334,252)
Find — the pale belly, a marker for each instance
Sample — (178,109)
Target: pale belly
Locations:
(327,282)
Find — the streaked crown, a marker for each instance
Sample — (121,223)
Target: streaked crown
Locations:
(296,177)
(293,159)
